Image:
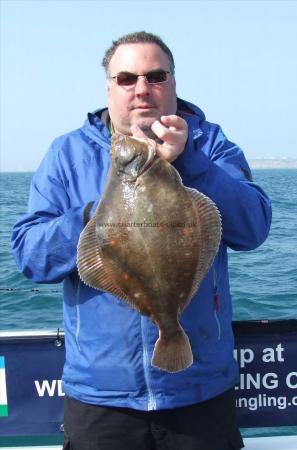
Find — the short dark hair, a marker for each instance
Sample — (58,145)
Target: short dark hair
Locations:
(139,37)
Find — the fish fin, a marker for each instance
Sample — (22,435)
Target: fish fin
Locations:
(174,354)
(210,230)
(173,173)
(90,263)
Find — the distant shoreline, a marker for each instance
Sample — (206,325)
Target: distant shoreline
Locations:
(272,163)
(254,163)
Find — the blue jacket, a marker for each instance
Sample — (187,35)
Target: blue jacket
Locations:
(108,344)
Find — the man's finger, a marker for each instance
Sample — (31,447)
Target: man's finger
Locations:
(171,134)
(163,132)
(174,121)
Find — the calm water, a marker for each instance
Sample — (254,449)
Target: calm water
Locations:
(263,281)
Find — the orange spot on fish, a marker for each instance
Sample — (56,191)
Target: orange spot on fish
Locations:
(186,232)
(125,276)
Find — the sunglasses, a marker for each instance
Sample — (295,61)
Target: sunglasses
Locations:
(130,79)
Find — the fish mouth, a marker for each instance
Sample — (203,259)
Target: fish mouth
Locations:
(150,159)
(134,159)
(152,150)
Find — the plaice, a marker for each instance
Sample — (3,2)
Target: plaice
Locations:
(150,242)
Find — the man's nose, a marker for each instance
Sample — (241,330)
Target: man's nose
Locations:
(142,87)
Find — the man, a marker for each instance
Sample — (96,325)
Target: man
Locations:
(114,398)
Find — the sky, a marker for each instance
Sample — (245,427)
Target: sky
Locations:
(235,59)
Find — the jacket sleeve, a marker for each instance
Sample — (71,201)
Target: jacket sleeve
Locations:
(44,240)
(218,168)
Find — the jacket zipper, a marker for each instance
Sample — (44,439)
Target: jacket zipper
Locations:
(216,302)
(77,331)
(151,406)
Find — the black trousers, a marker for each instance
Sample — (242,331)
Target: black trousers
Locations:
(210,425)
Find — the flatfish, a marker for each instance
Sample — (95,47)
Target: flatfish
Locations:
(150,242)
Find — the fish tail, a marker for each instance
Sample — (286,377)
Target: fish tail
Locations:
(173,354)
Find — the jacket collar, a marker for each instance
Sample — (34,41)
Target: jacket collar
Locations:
(192,115)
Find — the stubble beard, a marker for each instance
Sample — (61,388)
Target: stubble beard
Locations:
(145,124)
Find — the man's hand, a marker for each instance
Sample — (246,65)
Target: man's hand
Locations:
(172,130)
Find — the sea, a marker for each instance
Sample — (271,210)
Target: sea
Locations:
(263,281)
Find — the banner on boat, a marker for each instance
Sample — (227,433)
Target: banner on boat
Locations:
(266,394)
(31,395)
(31,373)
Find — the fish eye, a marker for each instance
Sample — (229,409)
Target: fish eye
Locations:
(125,155)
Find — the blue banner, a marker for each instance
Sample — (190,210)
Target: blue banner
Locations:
(266,352)
(31,397)
(32,380)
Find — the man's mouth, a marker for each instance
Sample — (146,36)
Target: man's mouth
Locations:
(144,106)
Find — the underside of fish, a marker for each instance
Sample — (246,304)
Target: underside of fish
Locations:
(150,242)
